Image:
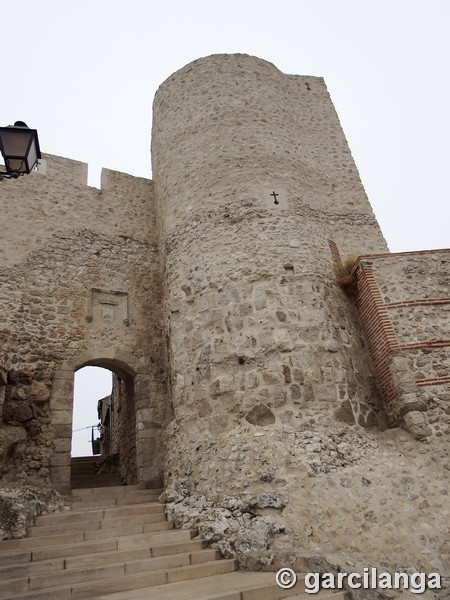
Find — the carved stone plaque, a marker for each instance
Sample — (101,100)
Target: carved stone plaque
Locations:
(107,307)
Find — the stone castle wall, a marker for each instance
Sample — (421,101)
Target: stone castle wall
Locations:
(80,282)
(251,173)
(272,401)
(278,445)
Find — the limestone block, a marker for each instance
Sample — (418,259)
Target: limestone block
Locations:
(401,377)
(61,459)
(62,417)
(218,424)
(416,424)
(325,392)
(19,412)
(62,430)
(260,415)
(284,340)
(222,385)
(62,445)
(410,402)
(344,413)
(60,474)
(62,387)
(39,392)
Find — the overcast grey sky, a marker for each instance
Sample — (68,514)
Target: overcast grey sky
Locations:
(84,74)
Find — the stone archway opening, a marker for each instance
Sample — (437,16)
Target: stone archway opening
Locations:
(113,415)
(92,411)
(141,431)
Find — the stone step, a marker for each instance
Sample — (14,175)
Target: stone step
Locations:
(65,542)
(118,582)
(89,482)
(84,482)
(93,553)
(144,540)
(90,468)
(72,516)
(322,595)
(61,539)
(117,490)
(228,586)
(85,475)
(87,468)
(115,544)
(124,491)
(134,497)
(191,546)
(96,524)
(92,473)
(58,576)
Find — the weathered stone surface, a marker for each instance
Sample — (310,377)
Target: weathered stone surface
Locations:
(20,507)
(228,526)
(17,412)
(268,500)
(416,424)
(344,412)
(260,415)
(39,392)
(11,438)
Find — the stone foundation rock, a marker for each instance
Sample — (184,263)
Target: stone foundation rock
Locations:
(231,525)
(20,507)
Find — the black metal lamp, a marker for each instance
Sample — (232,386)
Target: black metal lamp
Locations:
(20,148)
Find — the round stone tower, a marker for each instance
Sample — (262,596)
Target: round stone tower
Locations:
(254,183)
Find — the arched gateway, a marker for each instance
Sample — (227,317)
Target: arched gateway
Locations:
(142,466)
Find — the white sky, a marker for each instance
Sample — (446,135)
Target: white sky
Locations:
(84,74)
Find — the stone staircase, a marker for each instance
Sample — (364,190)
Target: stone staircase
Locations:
(83,473)
(115,544)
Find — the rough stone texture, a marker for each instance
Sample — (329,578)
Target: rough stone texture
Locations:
(273,402)
(124,427)
(20,507)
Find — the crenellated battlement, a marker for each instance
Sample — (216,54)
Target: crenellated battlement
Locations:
(71,171)
(56,200)
(75,172)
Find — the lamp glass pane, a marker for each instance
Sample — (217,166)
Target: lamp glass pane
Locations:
(15,143)
(16,164)
(32,157)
